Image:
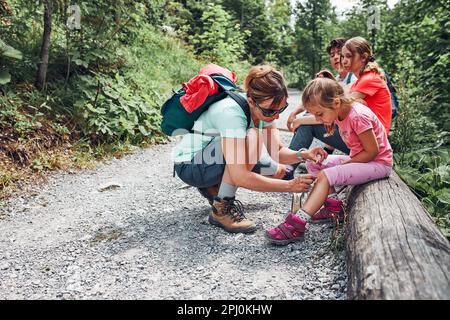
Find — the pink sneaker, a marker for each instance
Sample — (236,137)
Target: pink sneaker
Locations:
(333,208)
(291,230)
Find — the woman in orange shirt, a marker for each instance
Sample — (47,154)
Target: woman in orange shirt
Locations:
(371,87)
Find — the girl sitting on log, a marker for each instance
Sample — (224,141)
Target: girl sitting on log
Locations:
(370,153)
(371,86)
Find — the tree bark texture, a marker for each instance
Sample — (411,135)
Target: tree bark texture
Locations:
(394,248)
(43,65)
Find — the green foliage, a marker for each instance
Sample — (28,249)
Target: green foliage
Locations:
(427,173)
(314,21)
(110,109)
(219,39)
(156,11)
(41,165)
(5,77)
(262,26)
(17,120)
(180,17)
(107,79)
(125,105)
(413,127)
(7,51)
(421,148)
(267,24)
(279,15)
(421,31)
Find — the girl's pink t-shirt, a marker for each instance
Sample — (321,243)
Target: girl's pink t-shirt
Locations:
(359,120)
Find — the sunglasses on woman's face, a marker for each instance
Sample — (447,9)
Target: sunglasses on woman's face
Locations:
(270,112)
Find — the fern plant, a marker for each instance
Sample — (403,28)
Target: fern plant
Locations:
(7,51)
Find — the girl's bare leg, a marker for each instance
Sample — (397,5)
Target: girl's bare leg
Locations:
(318,195)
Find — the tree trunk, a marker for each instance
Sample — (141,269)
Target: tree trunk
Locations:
(394,248)
(43,66)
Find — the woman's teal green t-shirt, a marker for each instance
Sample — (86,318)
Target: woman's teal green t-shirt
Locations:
(224,117)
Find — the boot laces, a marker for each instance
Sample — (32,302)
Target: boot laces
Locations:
(235,209)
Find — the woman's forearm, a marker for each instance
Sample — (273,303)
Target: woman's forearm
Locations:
(288,156)
(257,182)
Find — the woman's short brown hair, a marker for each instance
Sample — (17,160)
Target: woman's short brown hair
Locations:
(264,82)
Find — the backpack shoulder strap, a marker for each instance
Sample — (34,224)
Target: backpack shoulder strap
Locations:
(231,89)
(349,77)
(242,102)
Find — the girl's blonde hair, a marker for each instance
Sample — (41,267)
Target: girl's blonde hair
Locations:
(322,92)
(362,46)
(264,82)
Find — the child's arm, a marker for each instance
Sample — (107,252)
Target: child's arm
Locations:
(293,115)
(305,120)
(370,145)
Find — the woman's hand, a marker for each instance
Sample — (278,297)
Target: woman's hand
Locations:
(301,183)
(317,154)
(281,171)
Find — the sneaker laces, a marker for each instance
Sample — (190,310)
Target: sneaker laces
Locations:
(235,209)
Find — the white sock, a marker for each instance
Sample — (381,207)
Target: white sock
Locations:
(303,215)
(226,190)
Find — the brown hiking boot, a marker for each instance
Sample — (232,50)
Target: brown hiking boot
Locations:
(209,193)
(228,214)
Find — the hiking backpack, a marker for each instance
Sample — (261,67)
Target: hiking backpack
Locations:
(175,115)
(393,92)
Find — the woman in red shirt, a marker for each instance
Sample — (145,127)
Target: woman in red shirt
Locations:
(371,87)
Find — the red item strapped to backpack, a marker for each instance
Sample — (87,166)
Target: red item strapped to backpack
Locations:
(202,86)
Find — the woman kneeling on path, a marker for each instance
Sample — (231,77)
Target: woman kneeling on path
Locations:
(238,157)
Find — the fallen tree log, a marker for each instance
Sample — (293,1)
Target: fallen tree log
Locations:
(394,248)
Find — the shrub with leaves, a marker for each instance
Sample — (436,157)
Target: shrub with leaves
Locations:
(421,149)
(111,109)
